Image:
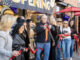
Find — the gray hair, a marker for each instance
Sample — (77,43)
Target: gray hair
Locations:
(44,16)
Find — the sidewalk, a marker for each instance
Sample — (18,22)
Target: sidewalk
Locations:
(76,57)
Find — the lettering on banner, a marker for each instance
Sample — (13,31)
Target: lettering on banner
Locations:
(47,4)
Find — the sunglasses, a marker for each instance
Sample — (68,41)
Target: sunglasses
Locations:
(65,23)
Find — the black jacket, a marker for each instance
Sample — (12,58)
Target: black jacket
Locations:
(54,33)
(41,33)
(19,43)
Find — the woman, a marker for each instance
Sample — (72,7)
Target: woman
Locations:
(54,34)
(66,40)
(5,38)
(73,31)
(31,36)
(19,41)
(58,47)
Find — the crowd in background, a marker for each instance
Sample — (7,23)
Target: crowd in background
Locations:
(19,33)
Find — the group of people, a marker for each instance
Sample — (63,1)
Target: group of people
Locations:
(47,37)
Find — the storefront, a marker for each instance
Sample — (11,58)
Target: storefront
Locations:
(28,8)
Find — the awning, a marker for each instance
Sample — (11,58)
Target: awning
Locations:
(43,6)
(70,9)
(77,13)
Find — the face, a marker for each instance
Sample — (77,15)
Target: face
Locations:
(22,17)
(59,23)
(31,24)
(21,29)
(53,22)
(65,24)
(24,24)
(44,19)
(72,23)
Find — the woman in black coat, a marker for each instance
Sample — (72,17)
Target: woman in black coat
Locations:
(20,41)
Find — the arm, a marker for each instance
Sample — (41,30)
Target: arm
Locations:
(3,51)
(68,33)
(16,44)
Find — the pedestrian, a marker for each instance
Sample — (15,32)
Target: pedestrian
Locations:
(5,38)
(58,47)
(19,41)
(31,36)
(54,34)
(73,31)
(43,38)
(66,40)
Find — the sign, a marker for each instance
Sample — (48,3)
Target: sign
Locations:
(43,6)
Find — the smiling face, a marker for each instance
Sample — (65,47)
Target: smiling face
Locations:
(31,24)
(21,29)
(65,24)
(44,19)
(71,23)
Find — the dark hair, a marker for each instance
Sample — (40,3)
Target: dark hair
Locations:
(16,29)
(19,20)
(73,24)
(28,26)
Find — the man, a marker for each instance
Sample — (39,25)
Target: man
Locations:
(43,38)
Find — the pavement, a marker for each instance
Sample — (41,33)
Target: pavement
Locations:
(76,56)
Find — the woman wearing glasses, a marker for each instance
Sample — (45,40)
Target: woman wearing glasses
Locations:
(66,40)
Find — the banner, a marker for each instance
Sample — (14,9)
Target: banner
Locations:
(43,6)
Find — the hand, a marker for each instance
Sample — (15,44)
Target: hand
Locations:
(45,26)
(53,44)
(62,36)
(50,26)
(25,50)
(34,45)
(75,34)
(15,53)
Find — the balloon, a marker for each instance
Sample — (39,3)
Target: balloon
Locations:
(65,17)
(14,9)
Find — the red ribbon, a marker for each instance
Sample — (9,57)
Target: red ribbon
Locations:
(15,56)
(33,52)
(60,36)
(75,37)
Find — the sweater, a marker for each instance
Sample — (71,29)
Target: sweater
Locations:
(5,45)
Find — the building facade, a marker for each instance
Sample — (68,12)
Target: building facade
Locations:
(72,2)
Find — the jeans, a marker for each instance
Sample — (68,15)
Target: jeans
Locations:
(66,44)
(72,47)
(58,50)
(46,47)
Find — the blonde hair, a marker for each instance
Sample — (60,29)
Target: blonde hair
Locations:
(7,22)
(53,20)
(66,23)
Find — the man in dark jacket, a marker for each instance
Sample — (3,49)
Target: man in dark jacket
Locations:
(43,38)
